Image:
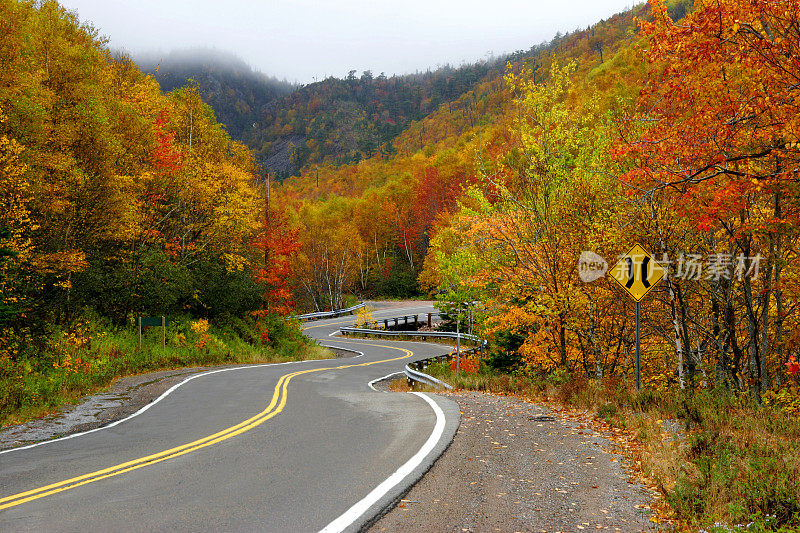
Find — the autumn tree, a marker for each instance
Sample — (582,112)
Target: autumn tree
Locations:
(541,199)
(719,145)
(278,245)
(15,226)
(327,263)
(115,195)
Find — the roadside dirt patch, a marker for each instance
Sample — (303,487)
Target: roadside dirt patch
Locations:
(517,466)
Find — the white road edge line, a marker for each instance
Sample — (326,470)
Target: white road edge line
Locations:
(151,404)
(357,510)
(381,379)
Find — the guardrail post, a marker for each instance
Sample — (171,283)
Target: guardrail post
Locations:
(396,322)
(386,324)
(430,323)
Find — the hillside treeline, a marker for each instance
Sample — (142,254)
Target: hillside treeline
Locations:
(392,204)
(674,126)
(678,135)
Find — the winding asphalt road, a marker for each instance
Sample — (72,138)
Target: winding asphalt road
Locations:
(305,446)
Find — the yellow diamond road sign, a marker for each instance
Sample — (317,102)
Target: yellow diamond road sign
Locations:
(637,272)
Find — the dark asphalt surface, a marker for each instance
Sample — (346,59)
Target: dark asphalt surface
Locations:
(334,442)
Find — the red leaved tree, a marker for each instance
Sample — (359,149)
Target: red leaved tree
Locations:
(279,244)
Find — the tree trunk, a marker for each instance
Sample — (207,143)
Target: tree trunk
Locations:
(563,341)
(753,356)
(684,332)
(764,349)
(678,335)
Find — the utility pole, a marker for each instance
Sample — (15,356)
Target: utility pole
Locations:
(267,226)
(458,339)
(267,218)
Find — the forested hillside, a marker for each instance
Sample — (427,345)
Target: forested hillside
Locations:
(606,137)
(117,187)
(340,121)
(238,95)
(674,126)
(388,206)
(331,122)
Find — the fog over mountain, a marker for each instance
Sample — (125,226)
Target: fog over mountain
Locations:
(309,41)
(237,93)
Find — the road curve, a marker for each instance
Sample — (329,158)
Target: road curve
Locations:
(305,446)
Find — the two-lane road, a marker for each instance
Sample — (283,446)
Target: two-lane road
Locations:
(293,447)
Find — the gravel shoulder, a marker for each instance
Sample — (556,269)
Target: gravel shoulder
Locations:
(517,466)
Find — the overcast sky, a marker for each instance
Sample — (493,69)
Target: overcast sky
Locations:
(304,40)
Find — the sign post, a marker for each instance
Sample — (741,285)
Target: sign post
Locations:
(638,349)
(153,321)
(637,273)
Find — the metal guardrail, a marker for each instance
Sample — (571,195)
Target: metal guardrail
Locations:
(414,369)
(413,375)
(331,314)
(424,334)
(402,320)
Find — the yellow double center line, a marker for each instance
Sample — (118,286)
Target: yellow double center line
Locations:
(275,406)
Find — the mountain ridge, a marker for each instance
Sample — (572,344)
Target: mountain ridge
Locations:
(235,91)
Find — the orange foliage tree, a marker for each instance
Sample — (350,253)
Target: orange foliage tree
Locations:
(719,145)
